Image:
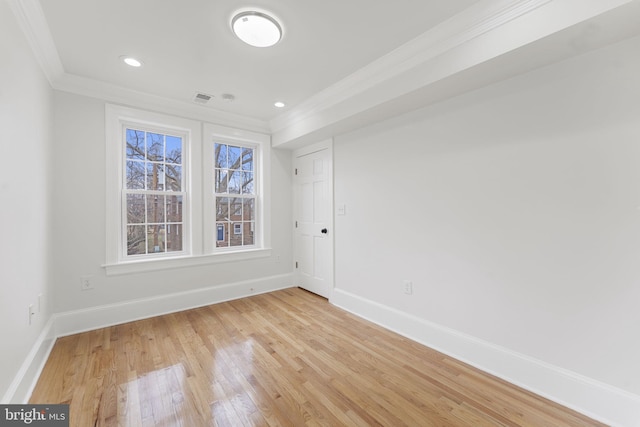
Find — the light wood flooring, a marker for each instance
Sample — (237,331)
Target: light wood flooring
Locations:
(286,358)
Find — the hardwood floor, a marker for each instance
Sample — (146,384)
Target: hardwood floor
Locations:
(287,358)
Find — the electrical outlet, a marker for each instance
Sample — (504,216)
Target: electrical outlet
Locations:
(86,283)
(408,287)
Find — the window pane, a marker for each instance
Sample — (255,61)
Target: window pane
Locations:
(174,208)
(247,233)
(222,209)
(155,209)
(136,239)
(222,235)
(135,175)
(135,208)
(155,238)
(235,210)
(235,238)
(174,237)
(247,159)
(155,147)
(174,149)
(221,156)
(173,178)
(234,157)
(248,209)
(247,183)
(155,176)
(235,182)
(221,180)
(135,144)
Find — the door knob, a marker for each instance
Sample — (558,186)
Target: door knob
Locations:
(324,231)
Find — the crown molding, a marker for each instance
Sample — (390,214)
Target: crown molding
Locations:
(120,95)
(33,24)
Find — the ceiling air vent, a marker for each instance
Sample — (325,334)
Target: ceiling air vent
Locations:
(202,98)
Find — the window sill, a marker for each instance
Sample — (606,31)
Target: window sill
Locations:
(149,265)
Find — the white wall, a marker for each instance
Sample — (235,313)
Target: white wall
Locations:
(515,211)
(79,215)
(25,202)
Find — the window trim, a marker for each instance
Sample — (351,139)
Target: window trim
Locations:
(198,185)
(262,161)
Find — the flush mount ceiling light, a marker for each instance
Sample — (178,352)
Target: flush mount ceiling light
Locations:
(256,28)
(279,104)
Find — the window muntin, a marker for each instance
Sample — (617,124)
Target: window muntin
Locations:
(153,193)
(234,194)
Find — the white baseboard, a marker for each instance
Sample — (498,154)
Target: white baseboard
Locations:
(595,399)
(25,379)
(73,322)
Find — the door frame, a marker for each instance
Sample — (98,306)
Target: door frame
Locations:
(326,144)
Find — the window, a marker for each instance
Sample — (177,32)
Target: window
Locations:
(237,182)
(176,198)
(235,194)
(153,192)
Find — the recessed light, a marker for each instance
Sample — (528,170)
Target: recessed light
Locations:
(131,61)
(256,28)
(279,104)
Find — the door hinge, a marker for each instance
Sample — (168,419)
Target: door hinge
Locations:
(296,172)
(296,224)
(296,264)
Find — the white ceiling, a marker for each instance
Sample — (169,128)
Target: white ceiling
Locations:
(341,63)
(187,46)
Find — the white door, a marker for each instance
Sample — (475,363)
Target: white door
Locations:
(313,199)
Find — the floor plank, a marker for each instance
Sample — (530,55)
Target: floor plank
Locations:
(287,358)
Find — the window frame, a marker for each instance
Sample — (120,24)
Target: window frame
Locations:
(185,193)
(232,225)
(199,233)
(261,143)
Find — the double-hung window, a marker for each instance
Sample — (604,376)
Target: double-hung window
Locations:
(236,178)
(178,196)
(153,194)
(235,195)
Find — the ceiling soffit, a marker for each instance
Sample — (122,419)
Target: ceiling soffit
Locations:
(441,63)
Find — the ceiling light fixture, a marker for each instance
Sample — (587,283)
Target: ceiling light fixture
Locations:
(256,28)
(131,61)
(279,104)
